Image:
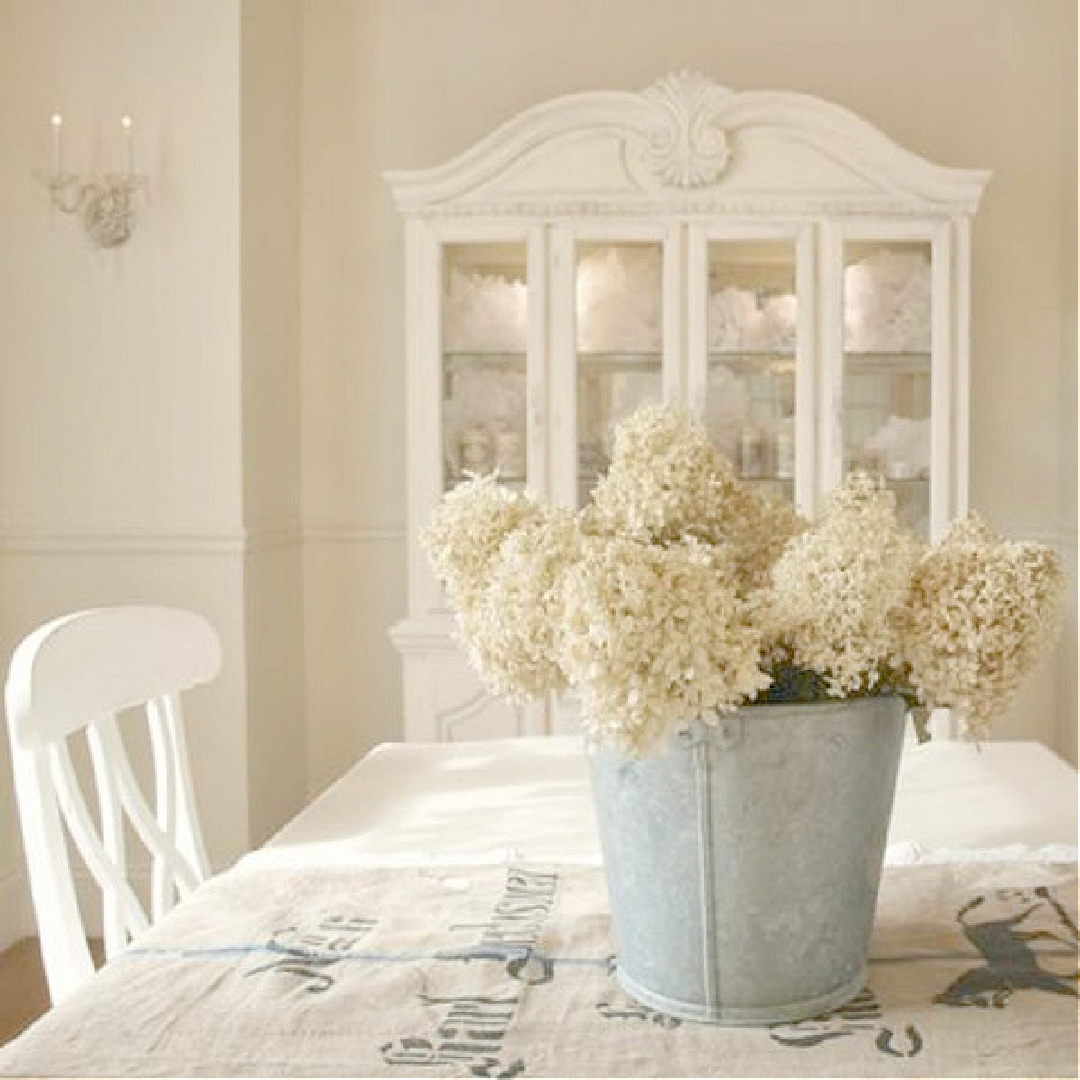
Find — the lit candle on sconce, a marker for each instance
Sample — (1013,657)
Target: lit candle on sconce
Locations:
(125,123)
(104,204)
(56,120)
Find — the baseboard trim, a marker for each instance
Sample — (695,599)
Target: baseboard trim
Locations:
(16,920)
(17,913)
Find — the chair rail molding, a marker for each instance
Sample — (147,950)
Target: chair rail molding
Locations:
(147,541)
(340,533)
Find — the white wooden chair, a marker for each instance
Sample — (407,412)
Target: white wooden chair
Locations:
(75,674)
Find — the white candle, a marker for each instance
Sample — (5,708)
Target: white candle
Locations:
(125,123)
(56,120)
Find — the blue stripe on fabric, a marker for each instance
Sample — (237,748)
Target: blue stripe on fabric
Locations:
(226,952)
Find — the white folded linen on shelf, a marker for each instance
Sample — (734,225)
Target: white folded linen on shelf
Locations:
(619,298)
(741,321)
(902,447)
(484,313)
(887,306)
(887,302)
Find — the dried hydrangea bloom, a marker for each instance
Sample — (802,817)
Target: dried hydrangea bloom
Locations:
(836,589)
(511,631)
(467,530)
(982,612)
(758,526)
(665,478)
(654,636)
(667,481)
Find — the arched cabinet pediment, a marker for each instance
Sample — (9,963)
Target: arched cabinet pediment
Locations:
(770,258)
(685,144)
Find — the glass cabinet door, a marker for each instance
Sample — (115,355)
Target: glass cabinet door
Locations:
(887,370)
(751,321)
(618,343)
(484,333)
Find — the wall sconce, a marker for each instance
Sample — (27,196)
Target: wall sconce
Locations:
(106,204)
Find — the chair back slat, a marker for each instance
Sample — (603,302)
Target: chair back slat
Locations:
(189,838)
(163,884)
(112,834)
(64,951)
(81,826)
(76,674)
(138,811)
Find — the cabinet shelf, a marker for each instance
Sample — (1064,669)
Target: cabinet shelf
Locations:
(613,362)
(515,483)
(887,363)
(483,359)
(750,362)
(749,359)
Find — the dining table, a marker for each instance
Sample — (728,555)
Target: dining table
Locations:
(441,910)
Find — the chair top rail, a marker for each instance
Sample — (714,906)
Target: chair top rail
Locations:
(99,662)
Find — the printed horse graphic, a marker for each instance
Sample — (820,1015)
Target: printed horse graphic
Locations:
(1005,943)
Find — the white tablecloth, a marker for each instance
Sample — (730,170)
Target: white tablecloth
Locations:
(309,958)
(528,800)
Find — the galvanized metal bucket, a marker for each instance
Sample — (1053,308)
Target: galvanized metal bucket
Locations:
(743,864)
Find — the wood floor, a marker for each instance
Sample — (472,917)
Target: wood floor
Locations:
(23,993)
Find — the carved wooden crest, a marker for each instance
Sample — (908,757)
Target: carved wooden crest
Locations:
(685,145)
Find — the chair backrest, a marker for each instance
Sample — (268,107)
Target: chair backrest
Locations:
(72,675)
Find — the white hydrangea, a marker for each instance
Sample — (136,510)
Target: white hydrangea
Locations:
(655,635)
(836,589)
(981,612)
(467,530)
(680,592)
(511,629)
(667,481)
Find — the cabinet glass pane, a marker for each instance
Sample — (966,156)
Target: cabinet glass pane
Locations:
(886,387)
(750,392)
(484,320)
(618,327)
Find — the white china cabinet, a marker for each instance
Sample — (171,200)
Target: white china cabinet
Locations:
(769,258)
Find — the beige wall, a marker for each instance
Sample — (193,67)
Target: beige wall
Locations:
(149,395)
(270,407)
(408,83)
(120,469)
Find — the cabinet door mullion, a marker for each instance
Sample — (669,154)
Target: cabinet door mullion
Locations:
(830,357)
(942,505)
(424,411)
(697,319)
(806,404)
(562,367)
(672,378)
(538,476)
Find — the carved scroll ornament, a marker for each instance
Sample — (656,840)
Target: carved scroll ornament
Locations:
(684,145)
